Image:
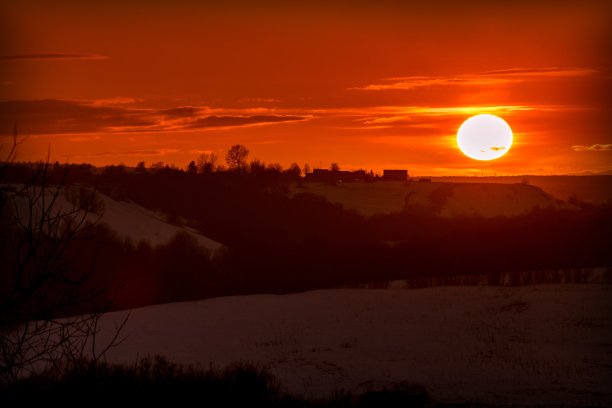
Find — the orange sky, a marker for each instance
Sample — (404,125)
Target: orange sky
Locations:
(376,85)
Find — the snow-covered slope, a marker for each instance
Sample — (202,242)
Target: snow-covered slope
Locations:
(591,189)
(139,224)
(128,219)
(445,199)
(485,200)
(520,346)
(365,198)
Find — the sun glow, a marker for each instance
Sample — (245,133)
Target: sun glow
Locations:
(484,137)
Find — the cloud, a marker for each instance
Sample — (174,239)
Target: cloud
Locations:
(118,100)
(202,151)
(224,121)
(52,56)
(543,72)
(464,110)
(407,83)
(87,138)
(121,153)
(260,100)
(149,152)
(426,120)
(54,116)
(383,120)
(595,148)
(487,78)
(180,112)
(432,118)
(399,112)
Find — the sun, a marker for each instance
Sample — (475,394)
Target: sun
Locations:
(484,137)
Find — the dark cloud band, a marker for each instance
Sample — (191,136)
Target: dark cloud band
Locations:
(53,116)
(51,56)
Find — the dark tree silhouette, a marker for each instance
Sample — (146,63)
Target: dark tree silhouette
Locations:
(141,167)
(334,167)
(236,157)
(294,170)
(274,168)
(157,166)
(207,163)
(192,168)
(257,167)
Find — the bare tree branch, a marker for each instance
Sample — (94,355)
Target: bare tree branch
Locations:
(39,220)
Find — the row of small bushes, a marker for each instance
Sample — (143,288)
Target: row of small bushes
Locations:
(159,382)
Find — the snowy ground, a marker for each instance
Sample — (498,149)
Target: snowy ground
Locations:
(139,224)
(528,345)
(446,199)
(591,189)
(128,219)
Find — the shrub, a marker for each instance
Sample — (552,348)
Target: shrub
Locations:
(158,382)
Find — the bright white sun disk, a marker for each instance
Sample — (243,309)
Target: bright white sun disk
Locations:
(484,137)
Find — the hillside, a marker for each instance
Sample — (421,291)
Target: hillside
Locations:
(590,189)
(365,198)
(485,200)
(519,346)
(127,219)
(445,199)
(139,224)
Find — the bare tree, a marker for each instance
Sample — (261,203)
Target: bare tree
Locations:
(294,170)
(334,167)
(207,163)
(236,157)
(257,167)
(38,287)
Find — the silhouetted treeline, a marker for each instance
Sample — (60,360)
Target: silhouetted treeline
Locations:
(138,274)
(280,243)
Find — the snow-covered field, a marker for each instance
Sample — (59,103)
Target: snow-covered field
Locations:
(528,345)
(591,189)
(446,199)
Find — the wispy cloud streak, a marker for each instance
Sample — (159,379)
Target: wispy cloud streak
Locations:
(497,77)
(543,72)
(592,148)
(52,56)
(407,83)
